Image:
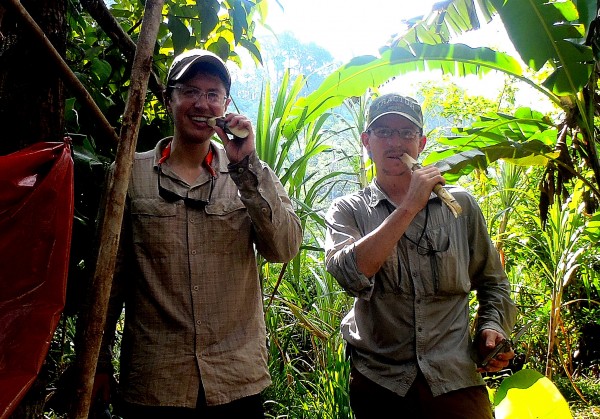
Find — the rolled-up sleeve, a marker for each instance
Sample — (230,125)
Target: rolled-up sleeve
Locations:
(340,257)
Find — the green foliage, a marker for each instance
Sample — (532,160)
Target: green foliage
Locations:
(501,153)
(447,19)
(559,36)
(303,305)
(361,73)
(586,385)
(527,138)
(452,104)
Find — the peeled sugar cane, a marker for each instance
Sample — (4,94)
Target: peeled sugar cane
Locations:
(438,189)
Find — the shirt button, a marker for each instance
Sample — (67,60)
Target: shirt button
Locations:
(194,252)
(192,220)
(198,322)
(196,288)
(420,357)
(264,210)
(241,170)
(418,301)
(420,329)
(250,166)
(260,190)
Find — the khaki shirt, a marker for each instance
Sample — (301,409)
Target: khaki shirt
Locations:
(414,313)
(189,278)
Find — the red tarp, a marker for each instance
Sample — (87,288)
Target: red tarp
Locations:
(36,216)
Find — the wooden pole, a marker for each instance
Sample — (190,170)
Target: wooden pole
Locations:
(113,213)
(68,77)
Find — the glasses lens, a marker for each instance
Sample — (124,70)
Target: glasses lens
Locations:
(404,134)
(213,98)
(407,134)
(166,194)
(383,132)
(195,94)
(191,92)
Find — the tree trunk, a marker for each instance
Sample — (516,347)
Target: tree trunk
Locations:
(31,92)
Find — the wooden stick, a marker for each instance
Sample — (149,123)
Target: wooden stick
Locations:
(113,214)
(68,76)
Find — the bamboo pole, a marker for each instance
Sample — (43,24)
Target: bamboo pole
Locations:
(113,212)
(72,82)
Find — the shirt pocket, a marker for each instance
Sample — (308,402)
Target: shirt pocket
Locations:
(448,271)
(226,210)
(155,225)
(227,223)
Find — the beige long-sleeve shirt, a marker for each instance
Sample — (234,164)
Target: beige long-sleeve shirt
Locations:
(189,278)
(414,313)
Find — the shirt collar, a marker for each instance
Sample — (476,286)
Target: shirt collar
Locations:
(376,194)
(220,160)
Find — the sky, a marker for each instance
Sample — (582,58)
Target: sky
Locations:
(349,28)
(346,28)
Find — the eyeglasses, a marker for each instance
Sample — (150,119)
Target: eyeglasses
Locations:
(194,94)
(406,134)
(171,196)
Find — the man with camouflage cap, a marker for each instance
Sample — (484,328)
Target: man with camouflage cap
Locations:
(411,264)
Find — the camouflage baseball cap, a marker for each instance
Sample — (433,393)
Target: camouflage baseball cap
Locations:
(393,103)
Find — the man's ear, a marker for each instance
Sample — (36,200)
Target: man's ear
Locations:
(364,138)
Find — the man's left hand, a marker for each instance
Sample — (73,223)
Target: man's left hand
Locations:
(488,339)
(237,148)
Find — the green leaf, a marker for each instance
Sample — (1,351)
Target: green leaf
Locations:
(447,18)
(528,394)
(208,12)
(181,34)
(550,24)
(525,138)
(238,17)
(101,70)
(367,71)
(592,230)
(569,80)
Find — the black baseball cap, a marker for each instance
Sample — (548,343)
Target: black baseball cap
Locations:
(184,62)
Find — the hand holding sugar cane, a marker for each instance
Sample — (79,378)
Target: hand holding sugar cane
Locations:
(442,193)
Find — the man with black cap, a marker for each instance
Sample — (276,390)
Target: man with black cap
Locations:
(194,338)
(411,264)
